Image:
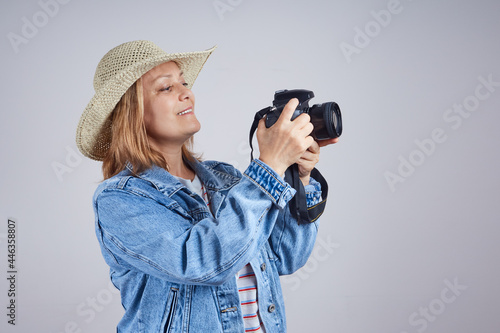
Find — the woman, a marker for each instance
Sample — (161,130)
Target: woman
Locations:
(192,246)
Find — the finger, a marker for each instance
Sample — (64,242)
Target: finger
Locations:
(305,165)
(288,110)
(314,148)
(305,129)
(309,141)
(302,120)
(327,142)
(308,157)
(302,130)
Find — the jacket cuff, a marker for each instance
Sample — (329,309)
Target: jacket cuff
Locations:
(313,192)
(270,182)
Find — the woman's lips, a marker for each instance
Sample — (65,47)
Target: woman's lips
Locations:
(188,110)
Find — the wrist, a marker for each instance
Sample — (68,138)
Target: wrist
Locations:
(270,182)
(276,166)
(305,179)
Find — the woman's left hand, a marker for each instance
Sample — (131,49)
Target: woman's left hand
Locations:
(310,158)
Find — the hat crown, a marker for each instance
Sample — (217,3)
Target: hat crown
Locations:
(122,58)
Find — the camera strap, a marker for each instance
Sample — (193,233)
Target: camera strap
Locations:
(298,204)
(258,116)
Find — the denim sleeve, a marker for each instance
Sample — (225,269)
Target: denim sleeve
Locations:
(292,243)
(313,192)
(137,232)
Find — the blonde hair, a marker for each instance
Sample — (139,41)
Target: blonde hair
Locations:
(129,139)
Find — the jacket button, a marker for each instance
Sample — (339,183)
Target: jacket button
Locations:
(263,267)
(271,308)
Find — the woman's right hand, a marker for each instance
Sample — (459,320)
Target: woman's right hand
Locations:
(283,144)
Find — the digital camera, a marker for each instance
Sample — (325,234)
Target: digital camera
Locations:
(325,117)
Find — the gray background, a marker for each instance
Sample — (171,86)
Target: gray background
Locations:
(419,253)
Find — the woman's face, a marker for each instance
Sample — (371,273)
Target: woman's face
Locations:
(168,107)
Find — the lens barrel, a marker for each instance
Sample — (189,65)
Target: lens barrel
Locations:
(327,120)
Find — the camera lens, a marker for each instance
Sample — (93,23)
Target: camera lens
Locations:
(327,120)
(336,128)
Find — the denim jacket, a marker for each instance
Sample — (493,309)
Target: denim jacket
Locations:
(174,259)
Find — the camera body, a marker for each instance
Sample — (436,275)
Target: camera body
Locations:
(325,117)
(327,122)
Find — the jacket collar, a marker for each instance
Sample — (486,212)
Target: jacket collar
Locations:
(212,178)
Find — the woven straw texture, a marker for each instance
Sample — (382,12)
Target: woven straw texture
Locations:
(116,72)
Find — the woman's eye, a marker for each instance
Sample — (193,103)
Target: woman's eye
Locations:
(170,87)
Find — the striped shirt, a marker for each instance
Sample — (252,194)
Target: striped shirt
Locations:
(247,289)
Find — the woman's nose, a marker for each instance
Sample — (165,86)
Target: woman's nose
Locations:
(184,92)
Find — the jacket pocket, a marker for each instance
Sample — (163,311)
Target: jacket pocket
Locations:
(170,310)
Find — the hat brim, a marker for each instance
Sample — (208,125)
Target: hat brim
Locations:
(93,135)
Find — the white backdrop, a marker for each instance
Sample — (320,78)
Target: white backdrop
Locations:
(409,240)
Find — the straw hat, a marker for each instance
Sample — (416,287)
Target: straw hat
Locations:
(116,72)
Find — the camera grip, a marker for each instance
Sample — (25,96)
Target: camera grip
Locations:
(273,116)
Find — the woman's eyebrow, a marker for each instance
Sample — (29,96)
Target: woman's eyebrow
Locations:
(167,76)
